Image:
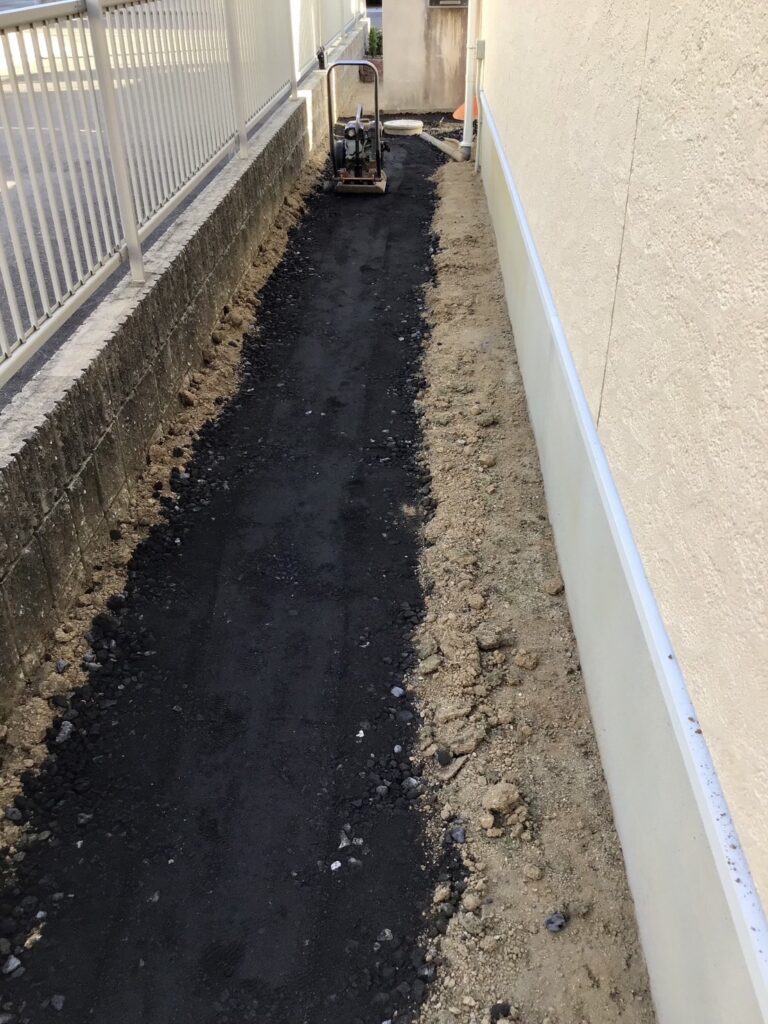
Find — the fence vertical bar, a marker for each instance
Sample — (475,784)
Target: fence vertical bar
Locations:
(72,155)
(106,177)
(5,348)
(19,176)
(169,56)
(236,83)
(115,141)
(81,69)
(320,8)
(86,86)
(28,79)
(137,95)
(5,272)
(295,59)
(212,107)
(125,102)
(218,87)
(60,173)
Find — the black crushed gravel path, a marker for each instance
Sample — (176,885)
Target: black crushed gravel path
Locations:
(241,728)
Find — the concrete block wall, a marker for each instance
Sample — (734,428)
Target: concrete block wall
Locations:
(74,441)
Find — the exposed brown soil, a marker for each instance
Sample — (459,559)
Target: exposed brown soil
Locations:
(501,689)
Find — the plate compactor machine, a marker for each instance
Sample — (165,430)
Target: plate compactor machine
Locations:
(357,159)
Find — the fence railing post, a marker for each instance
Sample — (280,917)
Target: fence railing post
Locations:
(115,140)
(295,44)
(235,64)
(321,21)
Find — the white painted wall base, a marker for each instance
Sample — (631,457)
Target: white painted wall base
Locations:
(701,923)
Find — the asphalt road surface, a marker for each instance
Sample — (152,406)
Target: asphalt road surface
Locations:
(232,830)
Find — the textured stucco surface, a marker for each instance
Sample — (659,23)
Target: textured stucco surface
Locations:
(638,137)
(424,54)
(563,82)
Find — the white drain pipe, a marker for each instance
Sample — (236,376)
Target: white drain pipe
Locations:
(469,83)
(450,148)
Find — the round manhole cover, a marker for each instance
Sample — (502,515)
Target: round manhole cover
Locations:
(403,126)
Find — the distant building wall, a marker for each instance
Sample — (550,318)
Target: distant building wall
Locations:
(424,52)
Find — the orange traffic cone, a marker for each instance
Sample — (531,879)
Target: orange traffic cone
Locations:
(458,115)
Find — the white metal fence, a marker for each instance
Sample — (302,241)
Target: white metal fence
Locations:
(111,113)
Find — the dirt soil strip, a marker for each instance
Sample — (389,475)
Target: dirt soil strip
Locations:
(223,825)
(545,932)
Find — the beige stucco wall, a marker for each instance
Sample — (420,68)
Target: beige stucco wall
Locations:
(424,56)
(638,137)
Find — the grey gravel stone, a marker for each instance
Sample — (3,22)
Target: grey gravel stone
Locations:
(65,731)
(11,964)
(500,1011)
(556,922)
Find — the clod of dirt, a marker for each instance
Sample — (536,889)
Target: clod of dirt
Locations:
(463,737)
(503,797)
(553,587)
(490,637)
(471,902)
(426,646)
(527,660)
(442,894)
